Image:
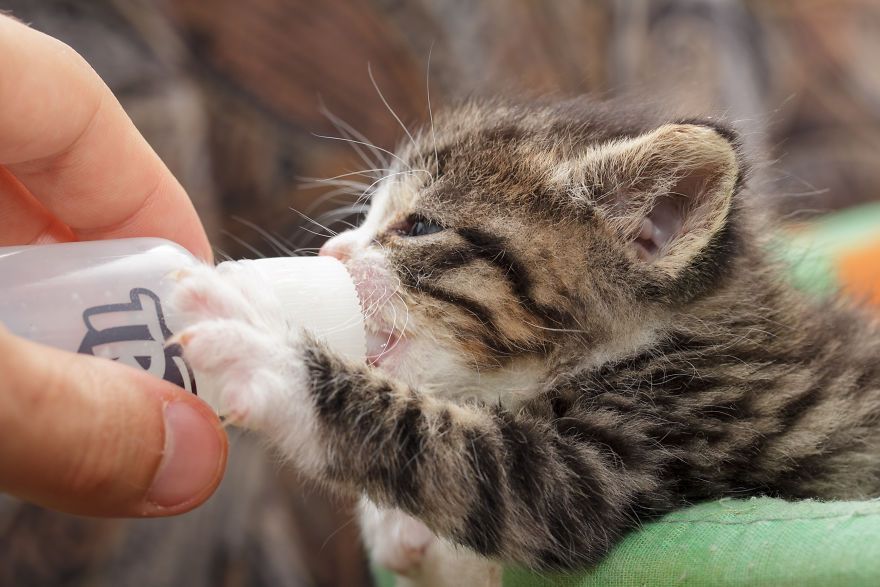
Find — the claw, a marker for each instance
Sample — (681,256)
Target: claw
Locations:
(179,275)
(181,339)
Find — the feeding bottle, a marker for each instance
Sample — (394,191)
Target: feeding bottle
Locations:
(109,299)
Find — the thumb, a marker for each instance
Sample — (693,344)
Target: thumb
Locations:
(90,436)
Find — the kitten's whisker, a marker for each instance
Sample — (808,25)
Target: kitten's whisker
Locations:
(350,521)
(380,307)
(430,110)
(402,330)
(390,109)
(332,138)
(318,234)
(372,305)
(218,252)
(342,212)
(333,197)
(406,317)
(347,224)
(271,239)
(309,184)
(389,176)
(368,172)
(343,197)
(387,346)
(306,251)
(351,132)
(331,232)
(245,244)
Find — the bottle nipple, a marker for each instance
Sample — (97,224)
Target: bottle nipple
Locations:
(318,294)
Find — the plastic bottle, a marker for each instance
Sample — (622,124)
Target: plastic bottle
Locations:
(107,298)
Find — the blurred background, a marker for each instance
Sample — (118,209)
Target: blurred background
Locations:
(232,95)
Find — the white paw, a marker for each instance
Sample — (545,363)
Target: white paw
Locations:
(397,541)
(243,352)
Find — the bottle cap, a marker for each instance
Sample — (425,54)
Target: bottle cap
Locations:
(318,294)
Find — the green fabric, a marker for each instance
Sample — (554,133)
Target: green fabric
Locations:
(753,542)
(812,252)
(382,578)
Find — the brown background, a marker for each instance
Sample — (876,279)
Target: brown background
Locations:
(230,94)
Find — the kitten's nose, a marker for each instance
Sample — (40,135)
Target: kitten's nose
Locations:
(336,247)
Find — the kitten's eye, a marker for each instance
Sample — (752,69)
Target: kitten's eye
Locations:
(418,227)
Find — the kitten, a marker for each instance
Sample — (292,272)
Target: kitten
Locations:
(574,327)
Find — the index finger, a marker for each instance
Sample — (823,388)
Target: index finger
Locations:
(67,139)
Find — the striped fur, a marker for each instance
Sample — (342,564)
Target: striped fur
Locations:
(695,374)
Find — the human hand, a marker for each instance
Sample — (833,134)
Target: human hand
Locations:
(78,433)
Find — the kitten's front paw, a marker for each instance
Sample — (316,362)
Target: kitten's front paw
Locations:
(235,366)
(244,354)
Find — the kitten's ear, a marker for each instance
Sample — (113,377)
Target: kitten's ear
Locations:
(668,192)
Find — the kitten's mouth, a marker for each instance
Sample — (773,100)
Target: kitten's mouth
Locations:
(381,345)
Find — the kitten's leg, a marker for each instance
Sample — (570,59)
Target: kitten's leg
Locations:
(510,486)
(237,338)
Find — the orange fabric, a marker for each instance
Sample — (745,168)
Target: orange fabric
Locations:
(859,272)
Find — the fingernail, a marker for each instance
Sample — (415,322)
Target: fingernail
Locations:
(192,460)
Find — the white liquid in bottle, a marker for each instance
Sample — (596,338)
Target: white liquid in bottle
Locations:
(106,298)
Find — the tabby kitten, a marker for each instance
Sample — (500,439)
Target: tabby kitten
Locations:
(574,327)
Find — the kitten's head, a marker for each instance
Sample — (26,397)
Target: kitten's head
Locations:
(509,240)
